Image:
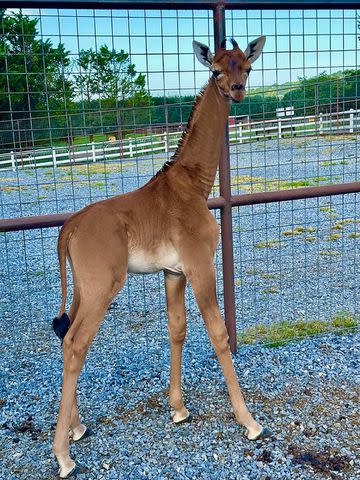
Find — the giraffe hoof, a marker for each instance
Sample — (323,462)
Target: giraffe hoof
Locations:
(187,419)
(87,433)
(70,474)
(264,433)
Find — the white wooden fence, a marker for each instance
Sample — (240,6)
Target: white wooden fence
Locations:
(334,123)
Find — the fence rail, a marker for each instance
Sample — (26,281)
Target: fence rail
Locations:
(244,131)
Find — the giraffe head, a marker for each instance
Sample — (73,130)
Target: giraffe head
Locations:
(230,68)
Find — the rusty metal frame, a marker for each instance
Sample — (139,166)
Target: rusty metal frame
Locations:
(183,4)
(226,201)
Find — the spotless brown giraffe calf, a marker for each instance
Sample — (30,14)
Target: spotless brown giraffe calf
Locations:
(164,225)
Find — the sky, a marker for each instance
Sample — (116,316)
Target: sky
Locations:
(299,42)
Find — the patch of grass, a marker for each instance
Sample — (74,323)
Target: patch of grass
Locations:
(329,253)
(298,230)
(251,271)
(271,290)
(333,237)
(343,162)
(320,179)
(238,281)
(13,188)
(268,276)
(331,215)
(354,235)
(328,150)
(328,163)
(333,138)
(337,226)
(327,209)
(345,221)
(100,185)
(251,184)
(39,273)
(310,239)
(281,333)
(267,244)
(97,168)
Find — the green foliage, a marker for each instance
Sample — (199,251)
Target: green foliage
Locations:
(281,333)
(108,81)
(109,75)
(35,68)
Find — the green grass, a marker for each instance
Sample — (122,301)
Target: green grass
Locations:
(267,244)
(281,333)
(333,237)
(310,239)
(298,230)
(327,209)
(268,276)
(271,290)
(250,184)
(354,235)
(329,253)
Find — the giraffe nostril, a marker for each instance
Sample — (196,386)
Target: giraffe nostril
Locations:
(237,86)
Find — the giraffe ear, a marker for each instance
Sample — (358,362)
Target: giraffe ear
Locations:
(203,53)
(254,49)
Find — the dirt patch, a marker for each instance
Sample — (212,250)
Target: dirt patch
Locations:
(324,461)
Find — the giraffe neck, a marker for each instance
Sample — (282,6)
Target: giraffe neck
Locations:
(199,151)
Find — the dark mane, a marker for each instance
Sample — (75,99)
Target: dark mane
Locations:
(182,142)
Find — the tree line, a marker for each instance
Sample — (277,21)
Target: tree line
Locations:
(45,95)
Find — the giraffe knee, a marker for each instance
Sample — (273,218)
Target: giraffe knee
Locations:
(74,352)
(177,328)
(220,341)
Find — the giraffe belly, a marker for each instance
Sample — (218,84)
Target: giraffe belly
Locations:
(164,258)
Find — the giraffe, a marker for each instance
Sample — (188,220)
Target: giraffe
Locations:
(164,225)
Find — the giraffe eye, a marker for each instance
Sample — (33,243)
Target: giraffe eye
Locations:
(216,73)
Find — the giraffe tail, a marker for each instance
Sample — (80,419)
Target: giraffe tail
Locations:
(61,322)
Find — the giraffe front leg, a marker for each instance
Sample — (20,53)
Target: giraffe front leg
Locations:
(175,301)
(202,280)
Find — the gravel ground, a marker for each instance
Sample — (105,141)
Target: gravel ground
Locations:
(306,392)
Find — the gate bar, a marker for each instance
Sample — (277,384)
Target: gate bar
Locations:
(57,219)
(182,4)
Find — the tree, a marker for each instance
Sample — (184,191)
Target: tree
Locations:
(34,68)
(33,83)
(108,75)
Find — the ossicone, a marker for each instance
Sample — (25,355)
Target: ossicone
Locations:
(234,44)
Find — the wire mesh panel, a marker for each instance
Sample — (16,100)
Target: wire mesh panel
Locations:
(119,130)
(295,265)
(296,129)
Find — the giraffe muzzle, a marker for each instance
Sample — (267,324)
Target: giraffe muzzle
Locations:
(238,86)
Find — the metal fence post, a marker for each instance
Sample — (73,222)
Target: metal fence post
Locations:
(226,211)
(321,125)
(351,120)
(13,161)
(54,156)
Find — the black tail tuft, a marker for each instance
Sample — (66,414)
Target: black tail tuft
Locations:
(61,325)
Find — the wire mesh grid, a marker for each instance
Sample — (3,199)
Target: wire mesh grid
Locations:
(295,268)
(66,141)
